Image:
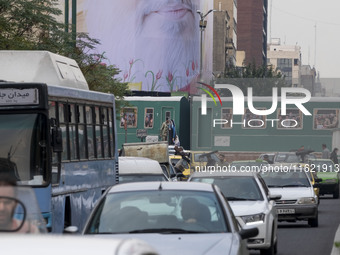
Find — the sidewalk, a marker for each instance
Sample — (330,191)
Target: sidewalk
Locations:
(336,250)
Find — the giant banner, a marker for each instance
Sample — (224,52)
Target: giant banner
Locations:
(156,42)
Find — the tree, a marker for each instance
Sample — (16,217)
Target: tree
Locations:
(32,25)
(262,79)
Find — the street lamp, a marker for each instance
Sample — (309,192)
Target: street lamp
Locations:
(202,25)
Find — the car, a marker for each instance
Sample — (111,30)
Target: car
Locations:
(328,173)
(292,157)
(70,245)
(137,169)
(251,203)
(298,200)
(312,177)
(173,217)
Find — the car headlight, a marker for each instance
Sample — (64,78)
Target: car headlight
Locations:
(255,218)
(307,200)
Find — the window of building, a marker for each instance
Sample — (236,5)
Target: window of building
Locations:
(325,119)
(292,120)
(226,116)
(254,121)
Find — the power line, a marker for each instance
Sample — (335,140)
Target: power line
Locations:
(309,19)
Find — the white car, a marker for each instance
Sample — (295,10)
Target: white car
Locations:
(139,169)
(173,217)
(251,203)
(298,200)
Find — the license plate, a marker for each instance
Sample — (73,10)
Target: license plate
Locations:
(285,211)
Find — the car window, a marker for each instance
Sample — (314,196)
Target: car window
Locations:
(199,158)
(157,211)
(283,178)
(235,187)
(141,178)
(287,158)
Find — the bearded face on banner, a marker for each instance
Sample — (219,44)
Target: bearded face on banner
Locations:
(155,42)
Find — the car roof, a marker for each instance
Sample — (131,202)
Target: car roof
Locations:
(139,165)
(249,161)
(220,174)
(136,186)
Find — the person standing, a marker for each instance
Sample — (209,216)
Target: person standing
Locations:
(165,130)
(334,156)
(172,132)
(325,152)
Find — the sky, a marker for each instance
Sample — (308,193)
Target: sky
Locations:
(293,21)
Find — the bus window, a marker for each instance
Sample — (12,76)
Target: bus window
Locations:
(55,173)
(62,121)
(81,132)
(89,129)
(72,132)
(111,131)
(23,147)
(99,140)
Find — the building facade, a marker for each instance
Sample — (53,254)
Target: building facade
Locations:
(252,30)
(287,59)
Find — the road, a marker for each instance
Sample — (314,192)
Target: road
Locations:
(300,239)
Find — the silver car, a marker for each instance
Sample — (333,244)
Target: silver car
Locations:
(251,203)
(173,217)
(298,200)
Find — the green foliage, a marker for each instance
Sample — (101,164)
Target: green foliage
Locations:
(32,25)
(262,79)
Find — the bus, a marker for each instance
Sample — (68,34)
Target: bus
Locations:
(59,139)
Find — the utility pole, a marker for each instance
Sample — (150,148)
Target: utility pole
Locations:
(202,25)
(315,46)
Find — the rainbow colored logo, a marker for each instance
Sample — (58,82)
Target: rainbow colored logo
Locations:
(204,98)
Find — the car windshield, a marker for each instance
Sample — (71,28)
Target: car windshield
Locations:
(200,157)
(174,161)
(158,212)
(23,147)
(141,178)
(286,178)
(235,187)
(323,166)
(287,158)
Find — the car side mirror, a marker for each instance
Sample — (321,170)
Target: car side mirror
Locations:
(248,233)
(275,197)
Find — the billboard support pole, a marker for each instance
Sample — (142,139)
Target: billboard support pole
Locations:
(202,25)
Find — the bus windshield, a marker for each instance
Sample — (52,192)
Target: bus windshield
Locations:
(23,147)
